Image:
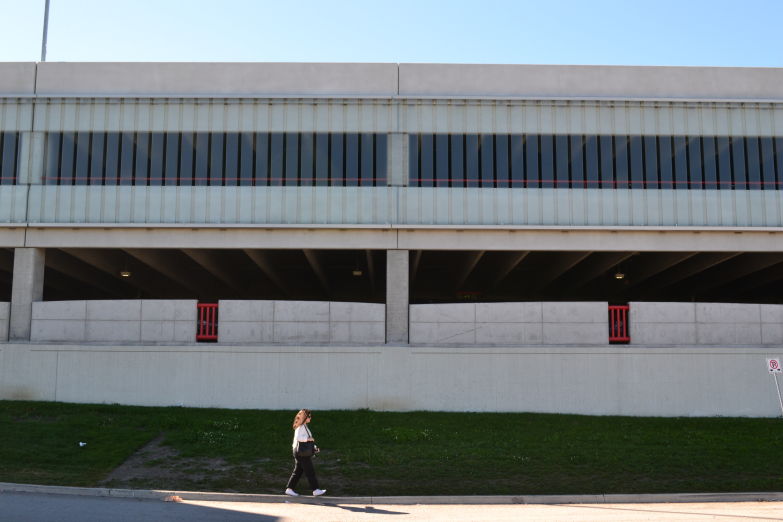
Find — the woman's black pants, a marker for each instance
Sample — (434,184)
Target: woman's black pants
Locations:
(303,464)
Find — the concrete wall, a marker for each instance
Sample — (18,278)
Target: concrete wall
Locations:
(390,79)
(263,322)
(122,321)
(557,323)
(593,380)
(5,314)
(708,324)
(407,206)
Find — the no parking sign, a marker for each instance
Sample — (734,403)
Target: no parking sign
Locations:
(773,365)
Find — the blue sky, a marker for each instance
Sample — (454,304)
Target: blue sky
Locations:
(632,32)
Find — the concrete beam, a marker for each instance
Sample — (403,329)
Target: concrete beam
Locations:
(161,263)
(470,263)
(262,261)
(27,287)
(212,264)
(315,264)
(512,261)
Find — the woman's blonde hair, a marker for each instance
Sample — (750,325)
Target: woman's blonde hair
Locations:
(301,417)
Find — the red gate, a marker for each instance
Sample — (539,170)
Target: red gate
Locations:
(206,328)
(618,324)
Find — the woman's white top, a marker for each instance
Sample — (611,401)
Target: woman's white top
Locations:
(301,434)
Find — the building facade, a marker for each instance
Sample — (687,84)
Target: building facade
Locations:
(599,240)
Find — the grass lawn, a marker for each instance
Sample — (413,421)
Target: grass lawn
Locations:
(375,453)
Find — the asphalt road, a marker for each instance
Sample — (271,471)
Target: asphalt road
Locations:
(40,507)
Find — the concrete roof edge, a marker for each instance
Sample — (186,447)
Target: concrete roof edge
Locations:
(416,80)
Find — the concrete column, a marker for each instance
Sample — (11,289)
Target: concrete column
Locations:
(397,160)
(31,155)
(27,287)
(397,296)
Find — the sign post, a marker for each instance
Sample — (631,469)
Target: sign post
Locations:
(773,365)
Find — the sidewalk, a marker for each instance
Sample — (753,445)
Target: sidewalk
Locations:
(7,487)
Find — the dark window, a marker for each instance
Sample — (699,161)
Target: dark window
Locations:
(562,162)
(738,162)
(680,163)
(606,152)
(231,159)
(621,161)
(695,168)
(753,163)
(768,163)
(322,159)
(501,160)
(457,160)
(577,162)
(547,164)
(442,160)
(666,162)
(517,160)
(427,160)
(636,161)
(487,155)
(592,163)
(651,162)
(472,160)
(709,154)
(9,154)
(307,160)
(724,163)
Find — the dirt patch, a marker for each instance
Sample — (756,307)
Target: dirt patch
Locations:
(156,466)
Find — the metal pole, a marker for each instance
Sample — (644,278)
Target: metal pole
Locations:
(778,387)
(45,31)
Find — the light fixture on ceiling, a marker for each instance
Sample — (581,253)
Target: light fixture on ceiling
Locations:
(125,273)
(357,272)
(619,275)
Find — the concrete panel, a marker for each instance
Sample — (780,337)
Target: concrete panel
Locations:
(184,332)
(771,333)
(157,331)
(5,314)
(246,332)
(722,334)
(509,333)
(301,332)
(618,82)
(216,79)
(356,312)
(443,333)
(168,310)
(304,311)
(231,310)
(119,331)
(17,78)
(67,330)
(728,313)
(565,312)
(65,310)
(398,307)
(508,312)
(662,333)
(644,312)
(357,332)
(443,313)
(582,333)
(117,310)
(771,313)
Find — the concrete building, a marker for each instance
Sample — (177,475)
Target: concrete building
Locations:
(597,240)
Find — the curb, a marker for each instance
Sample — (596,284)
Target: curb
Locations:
(645,498)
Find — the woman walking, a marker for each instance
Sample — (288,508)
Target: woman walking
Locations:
(304,448)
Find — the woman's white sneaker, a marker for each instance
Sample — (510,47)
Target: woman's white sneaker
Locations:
(318,492)
(291,492)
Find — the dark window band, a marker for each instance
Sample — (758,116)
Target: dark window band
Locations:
(596,161)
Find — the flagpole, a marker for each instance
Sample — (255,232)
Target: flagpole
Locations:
(45,31)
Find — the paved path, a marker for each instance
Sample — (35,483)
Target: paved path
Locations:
(40,507)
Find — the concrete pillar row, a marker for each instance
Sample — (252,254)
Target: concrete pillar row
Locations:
(26,287)
(397,296)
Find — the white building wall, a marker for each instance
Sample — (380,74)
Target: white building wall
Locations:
(122,321)
(301,322)
(706,324)
(591,380)
(533,323)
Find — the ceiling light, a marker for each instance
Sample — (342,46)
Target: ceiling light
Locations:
(125,273)
(619,275)
(357,273)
